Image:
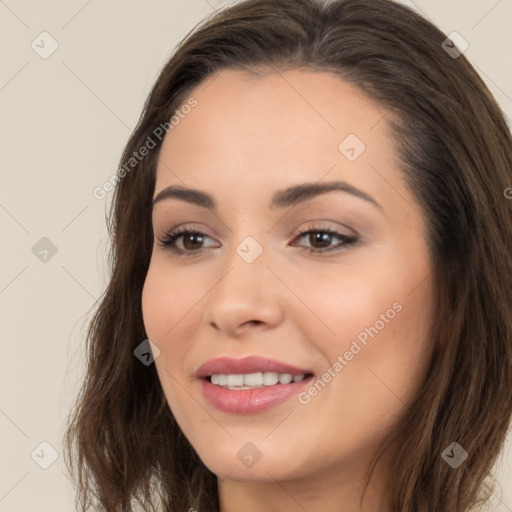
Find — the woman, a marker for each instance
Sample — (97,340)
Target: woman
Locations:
(311,226)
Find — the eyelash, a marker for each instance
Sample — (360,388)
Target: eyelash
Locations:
(170,238)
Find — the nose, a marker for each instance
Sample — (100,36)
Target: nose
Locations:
(248,296)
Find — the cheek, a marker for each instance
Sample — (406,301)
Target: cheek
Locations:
(361,302)
(166,315)
(377,318)
(169,296)
(172,302)
(382,336)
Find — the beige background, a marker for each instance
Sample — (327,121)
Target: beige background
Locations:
(64,121)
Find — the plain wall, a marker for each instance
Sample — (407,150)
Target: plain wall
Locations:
(64,122)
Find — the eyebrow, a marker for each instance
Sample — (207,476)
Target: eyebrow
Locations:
(282,198)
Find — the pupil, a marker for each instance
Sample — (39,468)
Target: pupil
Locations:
(321,237)
(196,241)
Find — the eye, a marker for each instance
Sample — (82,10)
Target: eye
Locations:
(187,241)
(184,241)
(321,239)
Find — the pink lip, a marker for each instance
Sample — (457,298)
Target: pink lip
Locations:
(250,364)
(248,401)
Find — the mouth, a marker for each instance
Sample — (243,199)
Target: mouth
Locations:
(254,380)
(250,385)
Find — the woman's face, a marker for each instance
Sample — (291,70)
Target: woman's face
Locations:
(332,281)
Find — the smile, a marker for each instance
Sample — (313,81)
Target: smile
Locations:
(254,380)
(250,385)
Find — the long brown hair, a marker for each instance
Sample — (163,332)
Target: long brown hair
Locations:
(123,445)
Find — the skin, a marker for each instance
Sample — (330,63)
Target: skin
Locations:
(248,137)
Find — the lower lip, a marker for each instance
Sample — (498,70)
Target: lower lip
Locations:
(250,401)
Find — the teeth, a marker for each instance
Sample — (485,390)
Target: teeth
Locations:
(254,380)
(285,378)
(235,380)
(270,378)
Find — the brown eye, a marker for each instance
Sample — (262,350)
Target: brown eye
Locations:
(192,241)
(184,241)
(321,240)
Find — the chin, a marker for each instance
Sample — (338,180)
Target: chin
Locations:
(245,462)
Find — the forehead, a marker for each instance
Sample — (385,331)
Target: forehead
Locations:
(275,128)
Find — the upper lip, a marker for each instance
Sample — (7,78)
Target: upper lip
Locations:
(250,364)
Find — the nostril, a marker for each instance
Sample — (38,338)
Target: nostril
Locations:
(254,322)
